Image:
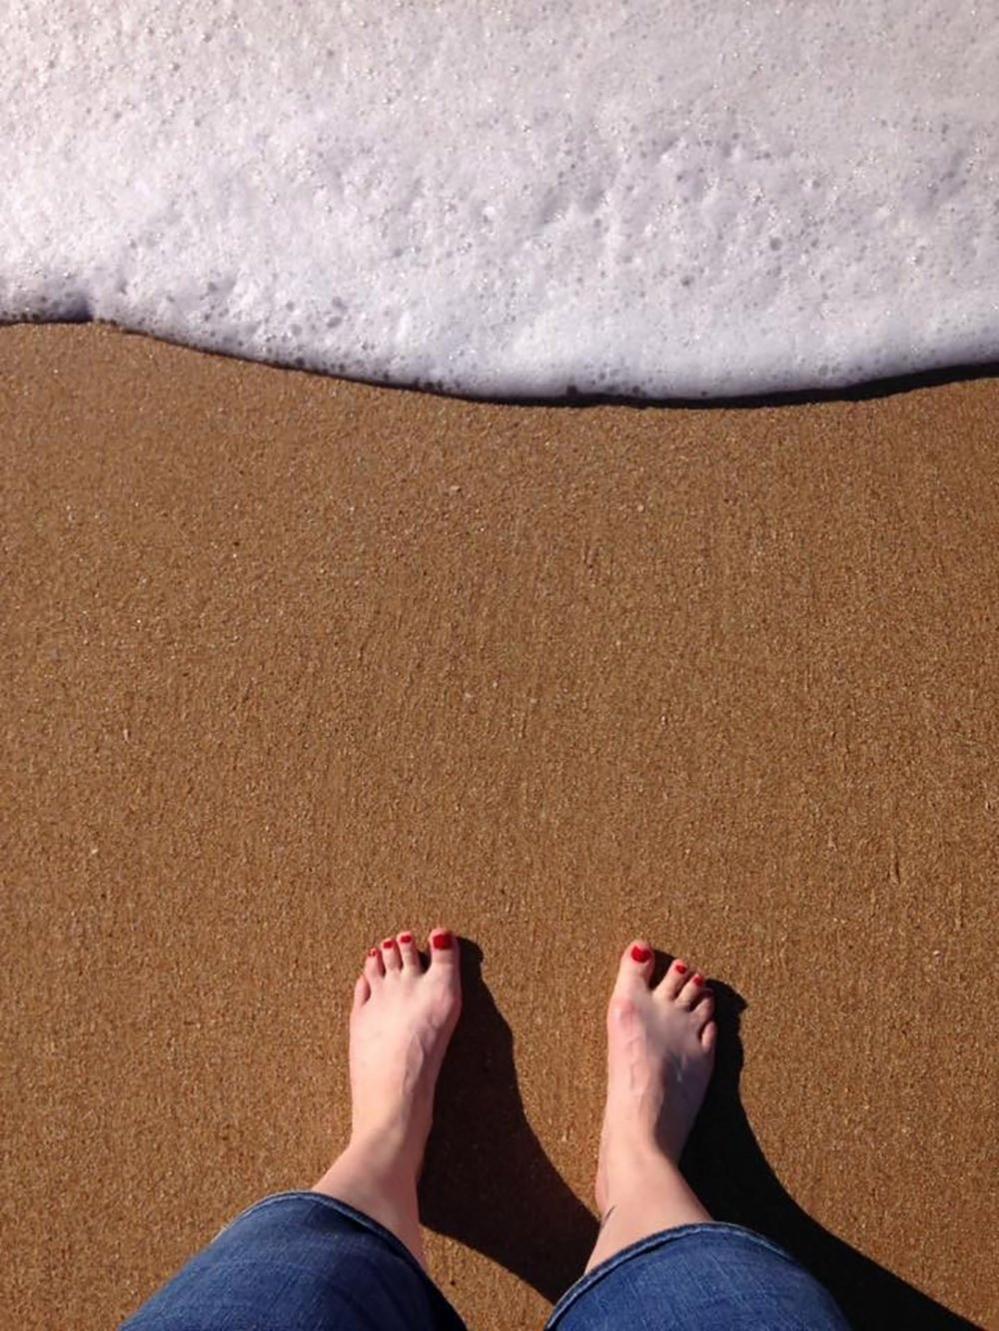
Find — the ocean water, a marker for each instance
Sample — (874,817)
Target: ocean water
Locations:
(656,197)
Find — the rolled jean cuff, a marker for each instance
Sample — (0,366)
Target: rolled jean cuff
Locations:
(305,1262)
(680,1278)
(333,1204)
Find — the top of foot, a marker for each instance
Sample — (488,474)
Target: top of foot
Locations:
(660,1055)
(404,1013)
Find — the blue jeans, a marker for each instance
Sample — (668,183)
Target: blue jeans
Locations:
(299,1261)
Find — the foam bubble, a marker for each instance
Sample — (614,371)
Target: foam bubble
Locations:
(511,198)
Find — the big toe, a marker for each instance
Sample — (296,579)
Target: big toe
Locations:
(444,955)
(635,969)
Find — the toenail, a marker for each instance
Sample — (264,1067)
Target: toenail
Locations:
(681,967)
(443,941)
(640,954)
(372,952)
(698,978)
(389,942)
(405,938)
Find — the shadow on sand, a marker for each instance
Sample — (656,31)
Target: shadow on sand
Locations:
(487,1180)
(489,1184)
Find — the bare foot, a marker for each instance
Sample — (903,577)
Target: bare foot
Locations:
(400,1024)
(660,1054)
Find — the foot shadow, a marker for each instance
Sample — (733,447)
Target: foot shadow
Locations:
(484,1160)
(728,1170)
(487,1180)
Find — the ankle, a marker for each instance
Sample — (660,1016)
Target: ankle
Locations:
(632,1165)
(633,1136)
(386,1152)
(384,1192)
(367,1175)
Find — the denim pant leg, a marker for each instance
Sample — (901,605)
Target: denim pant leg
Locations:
(712,1277)
(299,1261)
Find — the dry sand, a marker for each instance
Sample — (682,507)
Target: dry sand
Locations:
(290,663)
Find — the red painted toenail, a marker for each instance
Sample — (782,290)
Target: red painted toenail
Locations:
(698,978)
(405,938)
(640,954)
(389,942)
(372,952)
(681,968)
(443,941)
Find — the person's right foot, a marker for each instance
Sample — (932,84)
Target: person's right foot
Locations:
(660,1054)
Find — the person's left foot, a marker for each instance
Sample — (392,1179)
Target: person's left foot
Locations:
(400,1025)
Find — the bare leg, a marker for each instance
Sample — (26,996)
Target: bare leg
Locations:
(660,1056)
(400,1025)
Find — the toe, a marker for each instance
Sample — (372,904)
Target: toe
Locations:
(408,951)
(691,991)
(373,969)
(709,1036)
(636,964)
(674,979)
(704,1010)
(444,952)
(362,992)
(390,956)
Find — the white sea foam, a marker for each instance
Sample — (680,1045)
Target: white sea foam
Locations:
(682,198)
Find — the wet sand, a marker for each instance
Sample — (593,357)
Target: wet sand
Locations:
(291,663)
